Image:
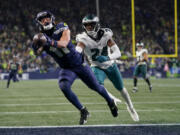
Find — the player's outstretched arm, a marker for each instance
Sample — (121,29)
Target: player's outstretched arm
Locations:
(62,43)
(64,40)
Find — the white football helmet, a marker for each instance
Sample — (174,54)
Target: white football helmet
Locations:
(93,21)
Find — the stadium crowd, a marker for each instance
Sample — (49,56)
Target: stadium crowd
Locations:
(154,27)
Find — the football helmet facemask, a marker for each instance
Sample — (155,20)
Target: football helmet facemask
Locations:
(91,25)
(140,44)
(47,26)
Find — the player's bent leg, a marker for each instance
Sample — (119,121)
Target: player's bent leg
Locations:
(65,87)
(145,76)
(87,76)
(114,75)
(84,114)
(99,74)
(135,79)
(9,79)
(149,83)
(66,78)
(15,78)
(129,104)
(135,89)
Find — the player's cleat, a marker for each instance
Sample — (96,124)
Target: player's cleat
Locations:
(113,108)
(133,113)
(84,115)
(135,89)
(150,88)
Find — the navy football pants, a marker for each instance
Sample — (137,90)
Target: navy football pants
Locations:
(67,77)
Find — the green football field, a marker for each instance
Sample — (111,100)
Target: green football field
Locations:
(41,103)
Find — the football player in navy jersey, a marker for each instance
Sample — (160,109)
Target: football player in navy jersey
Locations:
(14,67)
(58,45)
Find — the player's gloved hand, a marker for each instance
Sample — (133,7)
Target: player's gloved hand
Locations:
(102,58)
(34,46)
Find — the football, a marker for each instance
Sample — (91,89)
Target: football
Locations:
(39,39)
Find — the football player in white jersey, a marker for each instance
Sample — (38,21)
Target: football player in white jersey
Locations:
(141,67)
(101,51)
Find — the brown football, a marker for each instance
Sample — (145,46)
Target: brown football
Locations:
(39,39)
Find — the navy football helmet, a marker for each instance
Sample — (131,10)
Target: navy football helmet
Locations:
(93,21)
(47,26)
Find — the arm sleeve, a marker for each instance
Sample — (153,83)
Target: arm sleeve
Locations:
(115,52)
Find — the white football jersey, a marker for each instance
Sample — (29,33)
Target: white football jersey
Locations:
(96,48)
(140,57)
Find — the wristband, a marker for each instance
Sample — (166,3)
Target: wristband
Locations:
(55,44)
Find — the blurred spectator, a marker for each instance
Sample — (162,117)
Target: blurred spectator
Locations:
(154,27)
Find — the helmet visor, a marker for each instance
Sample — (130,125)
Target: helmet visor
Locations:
(90,26)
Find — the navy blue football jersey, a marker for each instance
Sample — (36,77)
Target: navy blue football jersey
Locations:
(66,57)
(14,67)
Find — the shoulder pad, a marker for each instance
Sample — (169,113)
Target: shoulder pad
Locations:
(61,27)
(61,24)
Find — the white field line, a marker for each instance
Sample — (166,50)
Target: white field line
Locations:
(92,95)
(85,126)
(155,84)
(94,111)
(89,98)
(86,103)
(96,96)
(85,95)
(38,99)
(165,84)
